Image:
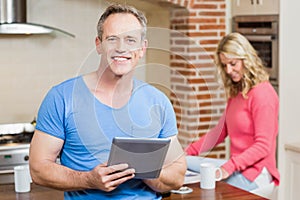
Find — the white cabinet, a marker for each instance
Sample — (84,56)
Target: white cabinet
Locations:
(255,7)
(292,171)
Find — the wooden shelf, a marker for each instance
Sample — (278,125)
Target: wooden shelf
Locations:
(293,147)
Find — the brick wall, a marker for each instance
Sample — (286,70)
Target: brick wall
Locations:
(198,100)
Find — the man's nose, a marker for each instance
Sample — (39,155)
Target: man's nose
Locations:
(121,46)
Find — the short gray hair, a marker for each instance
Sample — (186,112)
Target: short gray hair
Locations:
(118,8)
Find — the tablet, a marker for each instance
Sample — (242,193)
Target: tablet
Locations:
(145,155)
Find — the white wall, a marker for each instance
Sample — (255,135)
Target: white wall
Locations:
(30,65)
(158,69)
(289,91)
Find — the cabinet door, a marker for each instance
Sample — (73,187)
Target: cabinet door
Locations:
(293,175)
(243,7)
(267,7)
(254,7)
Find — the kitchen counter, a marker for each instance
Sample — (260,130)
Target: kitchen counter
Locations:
(293,147)
(223,191)
(7,192)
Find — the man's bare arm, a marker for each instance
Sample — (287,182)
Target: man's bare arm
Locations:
(173,172)
(44,150)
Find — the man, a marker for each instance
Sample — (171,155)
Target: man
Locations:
(79,118)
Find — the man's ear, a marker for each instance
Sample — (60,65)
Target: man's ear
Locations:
(98,45)
(144,48)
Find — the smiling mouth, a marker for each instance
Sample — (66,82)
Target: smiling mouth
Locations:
(233,76)
(120,58)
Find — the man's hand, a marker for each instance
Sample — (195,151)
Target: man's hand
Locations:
(108,178)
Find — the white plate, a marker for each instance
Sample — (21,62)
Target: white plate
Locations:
(183,190)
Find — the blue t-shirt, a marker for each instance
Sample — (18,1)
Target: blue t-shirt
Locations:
(72,113)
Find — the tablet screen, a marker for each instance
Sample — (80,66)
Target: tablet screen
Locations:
(145,155)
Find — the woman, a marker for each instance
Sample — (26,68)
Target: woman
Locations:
(250,119)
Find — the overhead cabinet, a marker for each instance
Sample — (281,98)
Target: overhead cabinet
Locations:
(255,7)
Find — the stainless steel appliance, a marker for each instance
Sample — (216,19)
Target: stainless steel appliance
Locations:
(262,32)
(13,20)
(14,148)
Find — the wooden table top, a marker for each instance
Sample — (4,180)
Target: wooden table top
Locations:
(222,191)
(7,192)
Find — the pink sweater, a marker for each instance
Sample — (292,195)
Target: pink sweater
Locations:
(252,125)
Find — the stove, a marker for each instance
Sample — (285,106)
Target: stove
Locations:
(14,148)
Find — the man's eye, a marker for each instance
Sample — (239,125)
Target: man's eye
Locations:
(111,39)
(131,40)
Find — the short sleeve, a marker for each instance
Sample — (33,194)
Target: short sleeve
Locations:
(50,117)
(169,123)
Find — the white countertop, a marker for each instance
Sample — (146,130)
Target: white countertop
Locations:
(293,147)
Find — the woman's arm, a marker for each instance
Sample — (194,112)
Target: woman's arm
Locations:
(214,137)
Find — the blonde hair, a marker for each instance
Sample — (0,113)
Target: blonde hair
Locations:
(236,46)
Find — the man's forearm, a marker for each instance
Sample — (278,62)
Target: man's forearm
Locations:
(171,177)
(59,177)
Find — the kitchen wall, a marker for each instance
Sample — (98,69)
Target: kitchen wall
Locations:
(197,96)
(289,131)
(31,64)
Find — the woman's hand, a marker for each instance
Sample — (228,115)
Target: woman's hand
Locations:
(225,174)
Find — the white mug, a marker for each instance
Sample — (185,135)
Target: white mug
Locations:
(22,178)
(208,175)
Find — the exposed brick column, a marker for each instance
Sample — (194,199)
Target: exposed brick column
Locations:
(197,99)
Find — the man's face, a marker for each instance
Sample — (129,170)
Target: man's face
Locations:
(121,45)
